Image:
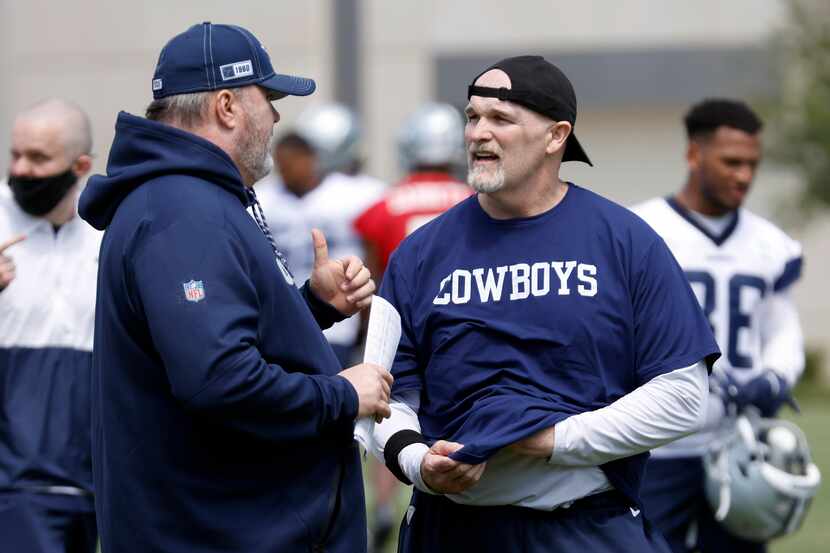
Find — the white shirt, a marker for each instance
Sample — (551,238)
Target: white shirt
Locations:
(332,207)
(666,408)
(51,301)
(741,274)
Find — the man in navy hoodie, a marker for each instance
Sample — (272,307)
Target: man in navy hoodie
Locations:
(220,422)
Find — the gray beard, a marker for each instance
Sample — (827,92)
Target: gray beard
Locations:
(255,157)
(486,183)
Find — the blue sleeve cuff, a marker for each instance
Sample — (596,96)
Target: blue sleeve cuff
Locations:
(790,274)
(340,403)
(708,355)
(324,313)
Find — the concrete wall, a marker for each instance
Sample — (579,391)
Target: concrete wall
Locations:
(402,41)
(101,54)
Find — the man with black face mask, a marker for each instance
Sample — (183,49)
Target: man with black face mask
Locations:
(48,265)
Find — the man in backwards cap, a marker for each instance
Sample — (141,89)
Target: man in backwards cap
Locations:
(549,341)
(221,420)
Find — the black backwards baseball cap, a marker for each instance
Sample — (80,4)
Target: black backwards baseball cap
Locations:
(539,86)
(213,57)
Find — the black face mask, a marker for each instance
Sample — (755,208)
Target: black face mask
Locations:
(39,196)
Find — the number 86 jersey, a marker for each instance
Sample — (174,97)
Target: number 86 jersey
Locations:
(741,277)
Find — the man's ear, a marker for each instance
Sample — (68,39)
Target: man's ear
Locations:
(227,108)
(82,165)
(694,155)
(557,135)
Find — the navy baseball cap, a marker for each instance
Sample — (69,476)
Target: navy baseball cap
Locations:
(213,57)
(540,86)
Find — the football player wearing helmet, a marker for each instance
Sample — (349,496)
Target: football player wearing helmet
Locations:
(317,184)
(430,151)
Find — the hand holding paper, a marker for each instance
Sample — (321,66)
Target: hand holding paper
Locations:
(373,385)
(382,339)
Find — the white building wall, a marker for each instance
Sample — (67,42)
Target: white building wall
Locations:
(101,54)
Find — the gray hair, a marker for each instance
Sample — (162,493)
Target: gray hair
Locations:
(181,110)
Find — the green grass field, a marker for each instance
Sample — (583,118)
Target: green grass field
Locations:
(815,421)
(814,535)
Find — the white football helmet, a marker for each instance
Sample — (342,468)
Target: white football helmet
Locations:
(760,479)
(334,133)
(432,136)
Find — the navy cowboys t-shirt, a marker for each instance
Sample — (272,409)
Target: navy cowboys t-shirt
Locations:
(510,326)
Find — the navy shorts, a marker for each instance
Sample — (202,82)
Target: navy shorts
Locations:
(675,502)
(603,523)
(46,523)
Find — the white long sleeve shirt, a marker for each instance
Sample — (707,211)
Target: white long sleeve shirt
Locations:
(664,409)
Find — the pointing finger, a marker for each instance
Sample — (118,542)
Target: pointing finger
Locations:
(7,275)
(9,243)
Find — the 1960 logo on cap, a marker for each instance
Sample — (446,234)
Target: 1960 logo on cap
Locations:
(236,70)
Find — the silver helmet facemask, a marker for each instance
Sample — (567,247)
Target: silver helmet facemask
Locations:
(431,137)
(334,133)
(760,478)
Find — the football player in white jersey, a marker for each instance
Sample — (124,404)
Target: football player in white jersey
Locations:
(48,267)
(741,267)
(316,184)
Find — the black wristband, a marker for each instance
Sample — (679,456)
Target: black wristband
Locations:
(395,445)
(324,313)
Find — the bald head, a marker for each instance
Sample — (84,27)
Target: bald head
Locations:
(50,137)
(496,78)
(66,119)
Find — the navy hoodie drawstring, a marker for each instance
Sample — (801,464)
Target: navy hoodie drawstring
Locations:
(259,217)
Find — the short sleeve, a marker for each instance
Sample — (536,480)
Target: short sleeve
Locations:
(670,330)
(791,271)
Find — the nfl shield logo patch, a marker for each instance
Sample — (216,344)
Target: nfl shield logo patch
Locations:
(194,290)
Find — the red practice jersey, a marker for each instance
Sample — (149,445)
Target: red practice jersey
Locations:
(416,200)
